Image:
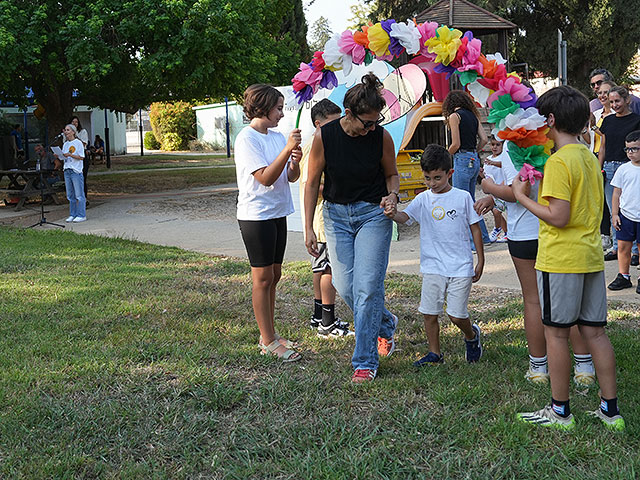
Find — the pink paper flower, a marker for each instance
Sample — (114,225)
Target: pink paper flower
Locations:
(529,174)
(468,57)
(511,86)
(427,30)
(306,77)
(350,47)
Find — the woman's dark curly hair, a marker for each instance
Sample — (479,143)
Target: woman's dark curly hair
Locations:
(259,99)
(365,97)
(458,99)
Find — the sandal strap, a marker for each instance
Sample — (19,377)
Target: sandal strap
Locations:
(285,356)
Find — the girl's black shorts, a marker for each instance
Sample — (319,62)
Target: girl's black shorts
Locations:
(265,240)
(524,249)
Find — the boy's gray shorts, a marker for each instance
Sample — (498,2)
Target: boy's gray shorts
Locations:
(321,262)
(567,299)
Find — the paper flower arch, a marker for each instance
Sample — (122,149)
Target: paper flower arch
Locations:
(511,103)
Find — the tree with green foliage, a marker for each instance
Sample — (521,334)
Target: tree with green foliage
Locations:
(601,33)
(125,54)
(320,33)
(362,14)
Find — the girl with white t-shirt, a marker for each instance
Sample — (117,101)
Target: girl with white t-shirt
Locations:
(73,151)
(265,164)
(83,136)
(523,227)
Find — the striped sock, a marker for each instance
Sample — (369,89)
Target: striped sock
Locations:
(538,364)
(584,363)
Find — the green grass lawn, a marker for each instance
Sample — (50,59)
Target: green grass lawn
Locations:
(150,161)
(126,360)
(158,181)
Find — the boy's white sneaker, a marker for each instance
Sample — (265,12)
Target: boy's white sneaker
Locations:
(536,377)
(548,418)
(79,219)
(493,236)
(69,219)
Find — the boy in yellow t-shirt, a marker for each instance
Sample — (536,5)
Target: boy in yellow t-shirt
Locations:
(323,318)
(570,266)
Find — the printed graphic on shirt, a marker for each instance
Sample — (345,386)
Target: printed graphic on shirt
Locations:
(72,149)
(452,214)
(438,213)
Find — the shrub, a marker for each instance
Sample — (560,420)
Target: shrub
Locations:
(173,124)
(150,142)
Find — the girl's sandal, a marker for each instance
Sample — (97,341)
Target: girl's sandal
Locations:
(288,356)
(284,342)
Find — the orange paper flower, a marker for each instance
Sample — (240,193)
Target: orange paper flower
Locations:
(525,138)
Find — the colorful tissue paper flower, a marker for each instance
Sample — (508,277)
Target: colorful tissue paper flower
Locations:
(307,76)
(497,57)
(427,30)
(379,40)
(395,48)
(362,38)
(329,80)
(349,46)
(492,73)
(529,174)
(304,95)
(525,138)
(530,103)
(479,93)
(445,44)
(500,108)
(468,77)
(534,156)
(334,58)
(529,119)
(468,55)
(407,35)
(448,69)
(511,86)
(317,64)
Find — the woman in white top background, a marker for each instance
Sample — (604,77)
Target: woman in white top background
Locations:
(73,151)
(266,162)
(83,136)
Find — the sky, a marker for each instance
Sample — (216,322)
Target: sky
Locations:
(336,11)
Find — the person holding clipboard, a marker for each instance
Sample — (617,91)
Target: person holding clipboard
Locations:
(72,154)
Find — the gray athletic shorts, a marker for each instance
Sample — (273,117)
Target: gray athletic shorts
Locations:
(569,299)
(321,262)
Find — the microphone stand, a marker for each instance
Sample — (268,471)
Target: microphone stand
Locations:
(43,219)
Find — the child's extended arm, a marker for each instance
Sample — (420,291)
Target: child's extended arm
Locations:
(615,208)
(398,217)
(477,241)
(557,213)
(504,192)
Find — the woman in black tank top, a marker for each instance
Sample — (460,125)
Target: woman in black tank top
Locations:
(361,182)
(463,119)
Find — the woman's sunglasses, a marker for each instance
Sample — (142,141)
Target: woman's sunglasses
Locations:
(596,84)
(370,123)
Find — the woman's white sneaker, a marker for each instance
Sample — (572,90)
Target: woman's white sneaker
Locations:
(70,219)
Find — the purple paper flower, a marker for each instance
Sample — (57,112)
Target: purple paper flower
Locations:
(304,95)
(395,47)
(440,68)
(329,80)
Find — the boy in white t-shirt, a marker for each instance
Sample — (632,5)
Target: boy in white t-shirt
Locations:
(445,214)
(625,210)
(493,170)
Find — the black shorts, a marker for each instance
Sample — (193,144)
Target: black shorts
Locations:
(523,249)
(265,240)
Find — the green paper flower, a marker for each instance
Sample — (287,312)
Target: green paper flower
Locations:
(534,156)
(501,107)
(467,77)
(368,58)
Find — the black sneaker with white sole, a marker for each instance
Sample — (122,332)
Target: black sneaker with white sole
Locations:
(620,283)
(335,330)
(315,322)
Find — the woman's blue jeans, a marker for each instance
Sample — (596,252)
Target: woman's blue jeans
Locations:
(465,178)
(74,183)
(609,171)
(359,236)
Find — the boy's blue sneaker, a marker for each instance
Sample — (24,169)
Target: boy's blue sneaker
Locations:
(474,347)
(429,359)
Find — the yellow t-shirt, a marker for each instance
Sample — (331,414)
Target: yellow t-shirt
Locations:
(318,219)
(572,174)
